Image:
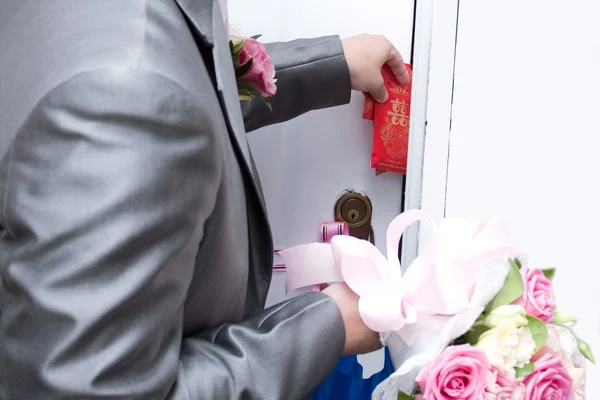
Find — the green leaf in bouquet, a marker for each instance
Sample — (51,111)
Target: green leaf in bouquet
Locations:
(475,332)
(255,37)
(582,346)
(525,370)
(585,350)
(508,314)
(241,70)
(538,331)
(560,318)
(513,288)
(459,340)
(518,263)
(404,396)
(549,273)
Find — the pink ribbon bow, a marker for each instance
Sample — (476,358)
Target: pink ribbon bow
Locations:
(438,284)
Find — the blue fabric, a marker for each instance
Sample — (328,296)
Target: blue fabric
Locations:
(346,381)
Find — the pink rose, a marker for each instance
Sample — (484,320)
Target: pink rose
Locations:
(561,344)
(460,372)
(504,386)
(538,297)
(262,73)
(548,381)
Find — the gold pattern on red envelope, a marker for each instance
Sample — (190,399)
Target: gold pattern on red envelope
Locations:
(391,122)
(369,107)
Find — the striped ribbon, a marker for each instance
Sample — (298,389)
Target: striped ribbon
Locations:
(328,231)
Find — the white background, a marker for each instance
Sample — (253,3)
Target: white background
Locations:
(306,163)
(525,137)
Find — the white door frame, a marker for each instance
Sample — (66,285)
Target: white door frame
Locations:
(436,24)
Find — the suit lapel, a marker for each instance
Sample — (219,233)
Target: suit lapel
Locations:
(207,20)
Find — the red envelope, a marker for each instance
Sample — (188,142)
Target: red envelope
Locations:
(391,121)
(369,107)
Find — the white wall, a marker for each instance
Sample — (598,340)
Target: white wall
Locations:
(525,137)
(300,179)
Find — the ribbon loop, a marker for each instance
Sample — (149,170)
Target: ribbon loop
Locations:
(438,298)
(439,283)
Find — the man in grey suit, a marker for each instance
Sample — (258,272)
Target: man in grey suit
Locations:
(135,254)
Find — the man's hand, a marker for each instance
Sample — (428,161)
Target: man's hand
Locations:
(359,338)
(366,54)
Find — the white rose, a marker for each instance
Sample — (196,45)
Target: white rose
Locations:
(567,341)
(564,345)
(507,346)
(578,377)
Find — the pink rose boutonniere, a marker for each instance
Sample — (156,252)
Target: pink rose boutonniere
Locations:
(254,69)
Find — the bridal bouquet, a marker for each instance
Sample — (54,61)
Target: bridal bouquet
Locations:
(520,347)
(468,320)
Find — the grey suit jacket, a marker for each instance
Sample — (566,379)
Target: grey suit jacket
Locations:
(135,253)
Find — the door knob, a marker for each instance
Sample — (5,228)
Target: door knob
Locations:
(356,210)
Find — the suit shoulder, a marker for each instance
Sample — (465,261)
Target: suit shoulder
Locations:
(66,39)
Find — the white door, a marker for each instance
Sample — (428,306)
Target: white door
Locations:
(300,180)
(524,137)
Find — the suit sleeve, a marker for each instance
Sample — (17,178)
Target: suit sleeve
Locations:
(311,74)
(105,192)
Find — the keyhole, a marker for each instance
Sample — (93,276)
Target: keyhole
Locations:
(353,215)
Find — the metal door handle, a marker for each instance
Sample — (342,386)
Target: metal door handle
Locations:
(356,210)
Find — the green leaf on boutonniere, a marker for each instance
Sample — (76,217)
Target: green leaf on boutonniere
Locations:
(404,396)
(245,85)
(264,100)
(237,47)
(538,331)
(513,288)
(241,70)
(255,37)
(234,52)
(525,370)
(245,94)
(549,273)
